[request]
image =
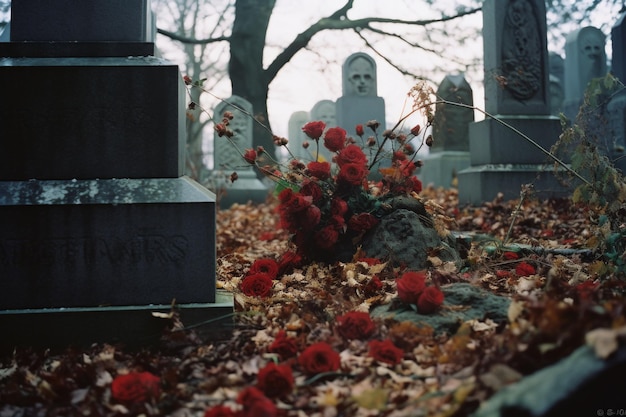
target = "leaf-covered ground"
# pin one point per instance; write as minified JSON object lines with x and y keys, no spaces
{"x":563,"y":292}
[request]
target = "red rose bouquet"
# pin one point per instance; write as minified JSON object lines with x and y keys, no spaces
{"x":329,"y":206}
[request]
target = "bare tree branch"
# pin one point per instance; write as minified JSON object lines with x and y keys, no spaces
{"x":339,"y":21}
{"x":185,"y":39}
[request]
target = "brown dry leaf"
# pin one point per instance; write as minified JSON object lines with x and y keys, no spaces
{"x":500,"y":375}
{"x":373,"y":399}
{"x":605,"y":341}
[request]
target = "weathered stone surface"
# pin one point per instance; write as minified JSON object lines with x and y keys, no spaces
{"x":405,"y":237}
{"x":106,"y":242}
{"x":479,"y":305}
{"x":580,"y":385}
{"x":69,"y":20}
{"x":95,"y":118}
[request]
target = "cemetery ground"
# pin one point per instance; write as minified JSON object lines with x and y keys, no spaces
{"x":556,"y":295}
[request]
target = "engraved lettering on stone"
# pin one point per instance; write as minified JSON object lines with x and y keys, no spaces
{"x":142,"y":249}
{"x":521,"y":50}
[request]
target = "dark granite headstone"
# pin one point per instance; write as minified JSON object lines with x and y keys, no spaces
{"x":617,"y":106}
{"x":111,"y":118}
{"x":516,"y":93}
{"x":98,"y":227}
{"x":84,"y":21}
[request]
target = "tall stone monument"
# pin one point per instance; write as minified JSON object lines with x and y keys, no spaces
{"x":227,"y":160}
{"x":585,"y":59}
{"x":449,"y":153}
{"x":617,"y":106}
{"x":359,"y":102}
{"x":98,"y":225}
{"x":516,"y":92}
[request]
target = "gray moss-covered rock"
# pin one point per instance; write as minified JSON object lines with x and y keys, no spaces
{"x":580,"y":385}
{"x":469,"y":303}
{"x":406,"y":237}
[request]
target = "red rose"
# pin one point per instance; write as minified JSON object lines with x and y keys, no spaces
{"x":326,"y":237}
{"x":524,"y":269}
{"x":407,"y":168}
{"x":429,"y":300}
{"x":312,"y":216}
{"x":335,"y":139}
{"x":319,"y":170}
{"x":288,"y":261}
{"x":338,"y":207}
{"x":314,"y":130}
{"x":352,"y":154}
{"x":220,"y":411}
{"x":312,"y":189}
{"x":319,"y":357}
{"x":135,"y":387}
{"x":585,"y":290}
{"x":362,"y":222}
{"x":355,"y":325}
{"x":264,"y":266}
{"x":385,"y":351}
{"x":284,"y":346}
{"x":398,"y":156}
{"x":255,"y":404}
{"x":275,"y":380}
{"x":293,"y":202}
{"x":352,"y":174}
{"x":257,"y":285}
{"x":250,"y":156}
{"x":416,"y":185}
{"x":410,"y":286}
{"x":338,"y":222}
{"x":510,"y":255}
{"x":359,"y":130}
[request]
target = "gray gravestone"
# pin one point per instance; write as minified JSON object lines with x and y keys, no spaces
{"x":98,"y":227}
{"x":517,"y":93}
{"x":557,"y":77}
{"x":449,"y":153}
{"x":297,"y":137}
{"x":227,"y":160}
{"x":360,"y":102}
{"x":585,"y":59}
{"x":325,"y":111}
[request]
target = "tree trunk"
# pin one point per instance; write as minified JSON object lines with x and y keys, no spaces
{"x":247,"y":74}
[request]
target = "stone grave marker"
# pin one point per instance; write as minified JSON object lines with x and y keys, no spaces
{"x":449,"y":153}
{"x":557,"y":78}
{"x":359,"y":102}
{"x":516,"y":92}
{"x":325,"y":111}
{"x":585,"y":59}
{"x":98,"y":226}
{"x":297,"y":137}
{"x":227,"y":160}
